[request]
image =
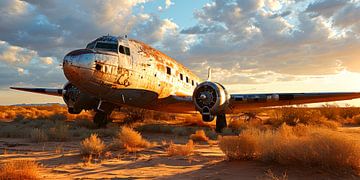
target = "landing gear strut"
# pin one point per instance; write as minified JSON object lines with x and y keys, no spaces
{"x":220,"y":123}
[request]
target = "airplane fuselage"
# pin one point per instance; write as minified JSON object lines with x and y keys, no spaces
{"x":127,"y":72}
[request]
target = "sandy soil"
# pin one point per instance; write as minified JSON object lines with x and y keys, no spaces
{"x":61,"y":160}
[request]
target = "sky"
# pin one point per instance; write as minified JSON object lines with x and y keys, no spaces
{"x":252,"y":46}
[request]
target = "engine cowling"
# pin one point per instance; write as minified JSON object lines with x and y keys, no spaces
{"x":210,"y":99}
{"x":77,"y":100}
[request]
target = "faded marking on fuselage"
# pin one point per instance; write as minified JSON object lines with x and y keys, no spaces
{"x":123,"y":77}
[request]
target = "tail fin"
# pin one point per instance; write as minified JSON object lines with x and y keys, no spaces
{"x":209,"y":74}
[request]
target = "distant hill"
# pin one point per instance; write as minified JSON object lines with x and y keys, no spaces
{"x":46,"y":104}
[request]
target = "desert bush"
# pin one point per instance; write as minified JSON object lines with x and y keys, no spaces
{"x":80,"y":132}
{"x":180,"y":150}
{"x":357,"y":119}
{"x":303,"y":145}
{"x":156,"y":128}
{"x":199,"y":136}
{"x":330,"y":111}
{"x":250,"y":115}
{"x":349,"y":112}
{"x":14,"y":131}
{"x":59,"y":133}
{"x":92,"y":146}
{"x":130,"y":139}
{"x":133,"y":114}
{"x":238,"y":124}
{"x":19,"y":170}
{"x":86,"y":123}
{"x":38,"y":135}
{"x":244,"y":146}
{"x":58,"y":117}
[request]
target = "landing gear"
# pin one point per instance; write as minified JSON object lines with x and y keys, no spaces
{"x":220,"y":123}
{"x":103,"y":112}
{"x":208,"y":118}
{"x":72,"y":110}
{"x":101,"y":119}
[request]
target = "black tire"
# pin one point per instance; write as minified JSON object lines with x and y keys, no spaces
{"x":101,"y":119}
{"x":73,"y":111}
{"x":220,"y":123}
{"x":207,"y":118}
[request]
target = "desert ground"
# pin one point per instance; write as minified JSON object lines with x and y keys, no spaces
{"x":162,"y":146}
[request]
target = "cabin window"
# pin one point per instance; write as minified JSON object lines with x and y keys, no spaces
{"x":181,"y":77}
{"x":168,"y":70}
{"x":187,"y":79}
{"x":127,"y":51}
{"x":121,"y":49}
{"x":106,"y":46}
{"x":124,"y":50}
{"x":192,"y":82}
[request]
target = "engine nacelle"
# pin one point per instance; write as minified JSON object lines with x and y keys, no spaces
{"x":210,"y":99}
{"x":77,"y":100}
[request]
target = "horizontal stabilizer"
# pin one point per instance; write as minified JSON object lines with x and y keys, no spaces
{"x":48,"y":91}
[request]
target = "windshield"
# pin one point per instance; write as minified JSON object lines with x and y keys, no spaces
{"x":107,"y":46}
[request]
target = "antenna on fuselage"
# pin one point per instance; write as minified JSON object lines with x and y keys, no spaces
{"x":209,"y":74}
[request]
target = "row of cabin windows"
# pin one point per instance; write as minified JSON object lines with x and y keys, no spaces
{"x":168,"y":71}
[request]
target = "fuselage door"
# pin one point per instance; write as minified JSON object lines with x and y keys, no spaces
{"x":125,"y":58}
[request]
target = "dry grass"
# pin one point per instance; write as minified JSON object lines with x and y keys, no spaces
{"x":19,"y":170}
{"x":52,"y":112}
{"x":180,"y":150}
{"x":60,"y":132}
{"x":199,"y":136}
{"x":92,"y":146}
{"x":303,"y":145}
{"x":244,"y":146}
{"x":38,"y":135}
{"x":269,"y":175}
{"x":131,"y":140}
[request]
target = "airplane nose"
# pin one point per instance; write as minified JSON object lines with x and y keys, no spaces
{"x":78,"y":64}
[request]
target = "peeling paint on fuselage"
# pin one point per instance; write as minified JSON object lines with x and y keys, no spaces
{"x":138,"y":79}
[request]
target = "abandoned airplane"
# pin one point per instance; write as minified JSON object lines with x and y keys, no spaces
{"x":116,"y":71}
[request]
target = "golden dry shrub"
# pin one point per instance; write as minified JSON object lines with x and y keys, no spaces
{"x":38,"y":135}
{"x":60,"y":132}
{"x":19,"y":170}
{"x":131,"y":140}
{"x":180,"y":150}
{"x":199,"y":136}
{"x":357,"y":119}
{"x":299,"y":145}
{"x":244,"y":146}
{"x":92,"y":146}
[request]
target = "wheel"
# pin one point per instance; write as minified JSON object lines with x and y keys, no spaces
{"x":73,"y":111}
{"x":101,"y":119}
{"x":220,"y":123}
{"x":207,"y":118}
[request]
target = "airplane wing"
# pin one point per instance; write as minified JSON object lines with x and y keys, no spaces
{"x":240,"y":102}
{"x":48,"y":91}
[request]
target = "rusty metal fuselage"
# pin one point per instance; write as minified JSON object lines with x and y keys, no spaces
{"x":128,"y":72}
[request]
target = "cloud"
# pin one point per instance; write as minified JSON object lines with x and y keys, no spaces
{"x":168,"y":3}
{"x":266,"y":38}
{"x":15,"y":54}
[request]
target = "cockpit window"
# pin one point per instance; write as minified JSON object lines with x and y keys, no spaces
{"x":106,"y":46}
